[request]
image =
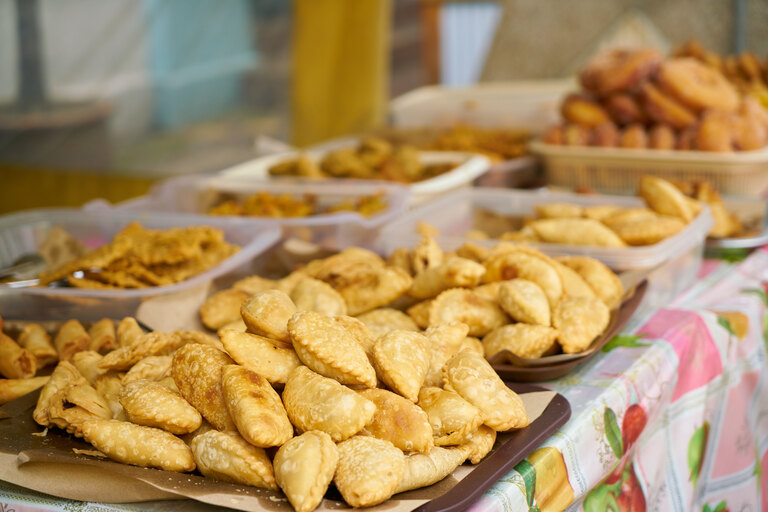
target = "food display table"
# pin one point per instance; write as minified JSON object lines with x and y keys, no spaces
{"x":672,"y":416}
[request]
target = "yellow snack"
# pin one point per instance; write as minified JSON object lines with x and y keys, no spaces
{"x":151,"y":404}
{"x":423,"y":469}
{"x":523,"y":340}
{"x":304,"y":467}
{"x":576,"y":232}
{"x":222,"y":308}
{"x":579,"y":321}
{"x":265,"y":356}
{"x":267,"y":314}
{"x":528,"y":266}
{"x":227,"y":456}
{"x":314,"y":295}
{"x":369,"y":470}
{"x":558,"y":210}
{"x":603,"y":281}
{"x":399,"y":421}
{"x":36,"y":340}
{"x":452,"y":418}
{"x":454,"y":272}
{"x":401,"y":359}
{"x":524,"y":301}
{"x":465,"y":306}
{"x":664,"y":198}
{"x":479,"y":444}
{"x":649,"y":231}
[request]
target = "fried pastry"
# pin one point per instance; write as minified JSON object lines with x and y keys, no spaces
{"x":87,"y":363}
{"x":71,"y":338}
{"x":472,"y":251}
{"x":528,"y":266}
{"x":199,"y":337}
{"x":606,"y":284}
{"x":479,"y":444}
{"x":451,"y":417}
{"x":265,"y":356}
{"x":400,"y":258}
{"x":454,"y":272}
{"x":255,"y":284}
{"x":304,"y":467}
{"x":582,"y":110}
{"x":472,"y":377}
{"x":427,"y":254}
{"x":664,"y":198}
{"x":579,"y":321}
{"x":267,"y":314}
{"x":156,"y":343}
{"x":444,"y":341}
{"x":64,"y":375}
{"x":314,"y":295}
{"x":110,"y":387}
{"x":575,"y":232}
{"x":419,"y":313}
{"x":128,"y":331}
{"x":399,"y":421}
{"x":196,"y":369}
{"x":401,"y":359}
{"x":150,"y":368}
{"x":573,"y":284}
{"x":76,"y":404}
{"x":473,"y":345}
{"x":524,"y":301}
{"x":650,"y":231}
{"x":327,"y":348}
{"x":255,"y":407}
{"x":34,"y":338}
{"x":222,"y":308}
{"x":362,"y":334}
{"x":423,"y":469}
{"x":151,"y":404}
{"x":227,"y":456}
{"x":15,"y":362}
{"x":137,"y":445}
{"x":558,"y":210}
{"x":523,"y":340}
{"x":369,"y":470}
{"x":462,"y":305}
{"x":600,"y":212}
{"x":103,"y":336}
{"x":11,"y":389}
{"x":382,"y":320}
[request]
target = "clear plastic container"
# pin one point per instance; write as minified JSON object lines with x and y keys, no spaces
{"x":197,"y":194}
{"x":469,"y":166}
{"x":672,"y":263}
{"x":21,"y":233}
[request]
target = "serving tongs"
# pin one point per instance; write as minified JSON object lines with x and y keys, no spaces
{"x":24,"y":272}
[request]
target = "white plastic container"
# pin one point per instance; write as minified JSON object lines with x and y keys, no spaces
{"x":21,"y":233}
{"x":469,"y":166}
{"x":673,"y":262}
{"x":197,"y":194}
{"x":618,"y":170}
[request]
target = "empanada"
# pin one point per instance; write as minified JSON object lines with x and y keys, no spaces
{"x":128,"y":331}
{"x":427,"y":254}
{"x":401,"y":258}
{"x":510,"y":265}
{"x":327,"y":348}
{"x":71,"y":338}
{"x":664,"y":198}
{"x":650,"y":231}
{"x":15,"y":362}
{"x":359,"y":330}
{"x":479,"y":444}
{"x":575,"y":232}
{"x":76,"y":404}
{"x":304,"y":467}
{"x":314,"y":295}
{"x":606,"y":285}
{"x":227,"y":456}
{"x":399,"y":421}
{"x":255,"y":284}
{"x":314,"y":402}
{"x":472,"y":377}
{"x":140,"y":446}
{"x":382,"y":320}
{"x":579,"y":321}
{"x":196,"y":369}
{"x":222,"y":308}
{"x":156,"y":343}
{"x":444,"y":341}
{"x":558,"y":210}
{"x":103,"y":336}
{"x":600,"y":212}
{"x":11,"y":389}
{"x":523,"y":340}
{"x":151,"y":404}
{"x":87,"y":363}
{"x":451,"y":417}
{"x":473,"y":345}
{"x":34,"y":338}
{"x":573,"y":284}
{"x":473,"y":251}
{"x":265,"y":356}
{"x":199,"y":337}
{"x":465,"y":306}
{"x":110,"y":387}
{"x":267,"y":314}
{"x":149,"y":368}
{"x":64,"y":375}
{"x":454,"y":272}
{"x":423,"y":469}
{"x":369,"y":470}
{"x":255,"y":407}
{"x":525,"y":301}
{"x":401,"y":359}
{"x":419,"y":313}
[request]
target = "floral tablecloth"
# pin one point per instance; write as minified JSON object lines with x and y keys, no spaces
{"x":673,"y":416}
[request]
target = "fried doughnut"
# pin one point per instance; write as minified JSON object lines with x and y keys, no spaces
{"x":696,"y":85}
{"x":554,"y":135}
{"x":576,"y":135}
{"x":661,"y":136}
{"x":621,"y":69}
{"x":686,"y":140}
{"x":715,"y":132}
{"x":748,"y":132}
{"x":580,"y":109}
{"x":751,"y":107}
{"x":633,"y":136}
{"x":664,"y":109}
{"x":605,"y":134}
{"x":624,"y":109}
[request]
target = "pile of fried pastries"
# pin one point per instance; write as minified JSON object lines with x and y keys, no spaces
{"x":138,"y":257}
{"x":498,"y":144}
{"x":670,"y":207}
{"x":373,"y":158}
{"x":636,"y":98}
{"x":265,"y":204}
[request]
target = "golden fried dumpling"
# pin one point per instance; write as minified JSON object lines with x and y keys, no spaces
{"x":221,"y":308}
{"x":103,"y":336}
{"x":603,"y":281}
{"x":451,"y":417}
{"x":454,"y":272}
{"x":579,"y":321}
{"x":34,"y":338}
{"x":382,"y":320}
{"x":465,"y":306}
{"x":472,"y":377}
{"x":419,"y":313}
{"x":444,"y":341}
{"x":151,"y":404}
{"x":423,"y":469}
{"x":399,"y":421}
{"x":649,"y":231}
{"x":533,"y":267}
{"x":149,"y":368}
{"x":473,"y":345}
{"x":155,"y":343}
{"x":11,"y":389}
{"x":265,"y":356}
{"x":558,"y":210}
{"x":267,"y":314}
{"x":664,"y":198}
{"x":70,"y":339}
{"x":479,"y":444}
{"x":314,"y":402}
{"x":227,"y":456}
{"x":304,"y":467}
{"x":76,"y":404}
{"x":314,"y":295}
{"x":369,"y":470}
{"x":575,"y":232}
{"x":523,"y":340}
{"x":401,"y":359}
{"x":64,"y":375}
{"x":525,"y":301}
{"x":86,"y":362}
{"x":573,"y":284}
{"x":426,"y":254}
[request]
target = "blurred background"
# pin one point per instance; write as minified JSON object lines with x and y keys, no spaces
{"x":101,"y":98}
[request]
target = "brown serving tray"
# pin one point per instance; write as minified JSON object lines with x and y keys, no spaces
{"x":546,"y":372}
{"x":17,"y":425}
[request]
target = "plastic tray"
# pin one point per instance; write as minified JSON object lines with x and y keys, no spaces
{"x":618,"y":170}
{"x":674,"y":261}
{"x":196,"y":194}
{"x":469,"y":166}
{"x":21,"y":233}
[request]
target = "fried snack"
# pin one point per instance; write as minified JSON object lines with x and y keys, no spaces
{"x":359,"y":331}
{"x":600,"y":212}
{"x":580,"y":109}
{"x":472,"y":251}
{"x":664,"y":109}
{"x":454,"y":272}
{"x":314,"y":402}
{"x":624,"y":109}
{"x":573,"y":284}
{"x":528,"y":266}
{"x":267,"y":314}
{"x":465,"y":306}
{"x":579,"y":321}
{"x":523,"y":340}
{"x":151,"y":404}
{"x":726,"y":224}
{"x":155,"y":343}
{"x":63,"y":376}
{"x":222,"y":308}
{"x":473,"y":345}
{"x":558,"y":210}
{"x":554,"y":135}
{"x":304,"y":467}
{"x":103,"y":337}
{"x":199,"y":337}
{"x":426,"y":254}
{"x":633,"y":136}
{"x":34,"y":338}
{"x":71,"y":338}
{"x":603,"y":281}
{"x":196,"y":369}
{"x":369,"y":470}
{"x":605,"y":135}
{"x":382,"y":320}
{"x":423,"y":469}
{"x":651,"y":231}
{"x":128,"y":331}
{"x":265,"y":356}
{"x":87,"y":363}
{"x":451,"y":417}
{"x":327,"y":348}
{"x":524,"y":301}
{"x":419,"y":313}
{"x":619,"y":70}
{"x":255,"y":284}
{"x":661,"y":136}
{"x":313,"y":295}
{"x":444,"y":341}
{"x":15,"y":362}
{"x":696,"y":85}
{"x":664,"y":198}
{"x":139,"y":446}
{"x":715,"y":133}
{"x":479,"y":444}
{"x":400,"y":258}
{"x":76,"y":404}
{"x":255,"y":407}
{"x":11,"y":389}
{"x":110,"y":386}
{"x":228,"y":457}
{"x":401,"y":359}
{"x":365,"y":288}
{"x":399,"y":421}
{"x":472,"y":377}
{"x":576,"y":135}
